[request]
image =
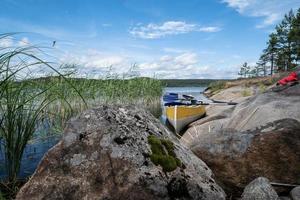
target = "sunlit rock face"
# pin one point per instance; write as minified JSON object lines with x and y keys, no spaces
{"x":105,"y":154}
{"x":258,"y":137}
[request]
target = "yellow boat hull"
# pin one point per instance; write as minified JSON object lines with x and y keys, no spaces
{"x":181,"y":115}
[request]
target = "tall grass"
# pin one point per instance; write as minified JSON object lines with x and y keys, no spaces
{"x":22,"y":103}
{"x":27,"y":102}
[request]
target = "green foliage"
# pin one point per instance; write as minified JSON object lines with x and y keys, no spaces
{"x":156,"y":145}
{"x":283,"y":48}
{"x":26,"y":102}
{"x":20,"y":107}
{"x":245,"y":70}
{"x":1,"y":196}
{"x":163,"y":153}
{"x":168,"y":163}
{"x":169,"y":146}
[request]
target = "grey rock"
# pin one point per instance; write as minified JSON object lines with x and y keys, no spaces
{"x":295,"y":193}
{"x":104,"y":154}
{"x":259,"y":189}
{"x":258,"y":137}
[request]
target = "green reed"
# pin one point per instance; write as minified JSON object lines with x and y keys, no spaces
{"x":26,"y":101}
{"x":22,"y":102}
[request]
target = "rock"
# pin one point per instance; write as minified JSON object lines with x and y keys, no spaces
{"x":236,"y":93}
{"x":237,"y":158}
{"x":295,"y":193}
{"x":262,"y":109}
{"x":254,"y":111}
{"x":259,"y":189}
{"x":258,"y":137}
{"x":106,"y":153}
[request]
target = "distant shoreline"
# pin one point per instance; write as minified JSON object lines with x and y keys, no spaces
{"x":189,"y":82}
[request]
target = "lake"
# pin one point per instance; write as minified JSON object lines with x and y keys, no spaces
{"x":35,"y":150}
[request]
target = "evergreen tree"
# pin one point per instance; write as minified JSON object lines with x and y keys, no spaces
{"x":283,"y":48}
{"x":283,"y":33}
{"x":295,"y":37}
{"x":270,"y":54}
{"x":244,"y":70}
{"x":262,"y":64}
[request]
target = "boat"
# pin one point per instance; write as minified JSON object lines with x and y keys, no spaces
{"x":180,"y":115}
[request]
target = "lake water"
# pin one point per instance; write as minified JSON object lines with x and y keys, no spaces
{"x":36,"y":149}
{"x":33,"y":153}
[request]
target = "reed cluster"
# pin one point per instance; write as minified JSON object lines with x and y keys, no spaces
{"x":29,"y":102}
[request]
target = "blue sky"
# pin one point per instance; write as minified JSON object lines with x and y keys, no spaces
{"x":165,"y":38}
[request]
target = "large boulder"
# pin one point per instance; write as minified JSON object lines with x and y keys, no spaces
{"x":259,"y":189}
{"x":109,"y":153}
{"x":258,"y":137}
{"x":272,"y":151}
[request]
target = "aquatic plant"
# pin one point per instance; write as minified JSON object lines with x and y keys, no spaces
{"x":22,"y":102}
{"x":28,"y":102}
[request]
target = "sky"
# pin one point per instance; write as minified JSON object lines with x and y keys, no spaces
{"x":163,"y":38}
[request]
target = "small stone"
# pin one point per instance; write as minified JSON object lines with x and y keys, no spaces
{"x":295,"y":193}
{"x":259,"y":189}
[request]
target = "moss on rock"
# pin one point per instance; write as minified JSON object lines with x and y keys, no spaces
{"x":163,"y":153}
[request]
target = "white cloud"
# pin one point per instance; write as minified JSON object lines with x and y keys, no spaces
{"x":271,"y":11}
{"x":166,"y":58}
{"x":154,"y":31}
{"x":210,"y":29}
{"x":176,"y":65}
{"x":97,"y":60}
{"x":24,"y":41}
{"x":240,"y":5}
{"x":9,"y":42}
{"x":6,"y":42}
{"x":179,"y":66}
{"x":186,"y":59}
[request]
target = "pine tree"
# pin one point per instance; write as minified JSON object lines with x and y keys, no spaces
{"x":262,"y":64}
{"x":244,"y":70}
{"x":295,"y":37}
{"x":271,"y":52}
{"x":283,"y":32}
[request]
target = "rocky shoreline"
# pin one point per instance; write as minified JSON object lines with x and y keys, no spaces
{"x":260,"y":136}
{"x":122,"y":152}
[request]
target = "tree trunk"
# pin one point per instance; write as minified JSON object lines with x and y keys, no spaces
{"x":272,"y":64}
